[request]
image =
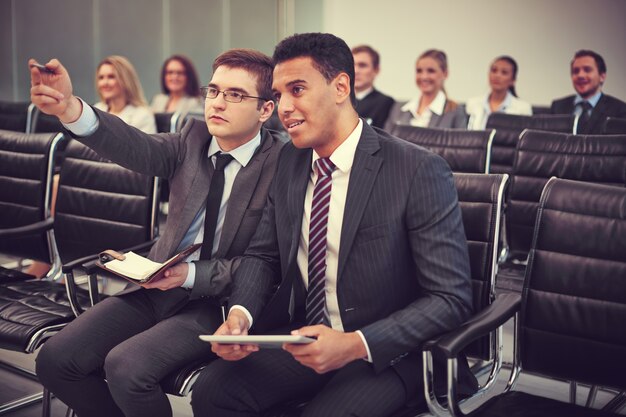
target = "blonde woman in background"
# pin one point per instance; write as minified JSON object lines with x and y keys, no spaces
{"x":501,"y":99}
{"x":180,"y":87}
{"x":431,"y":108}
{"x":121,"y":94}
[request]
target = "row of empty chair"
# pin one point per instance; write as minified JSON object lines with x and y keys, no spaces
{"x":100,"y":205}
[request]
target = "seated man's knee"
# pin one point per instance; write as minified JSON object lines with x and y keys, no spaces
{"x":218,"y":388}
{"x":123,"y":370}
{"x":54,"y":362}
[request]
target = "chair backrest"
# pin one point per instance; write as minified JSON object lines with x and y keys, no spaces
{"x":101,"y":205}
{"x":26,"y":170}
{"x":164,"y":123}
{"x":14,"y":115}
{"x":464,"y":150}
{"x":541,"y":110}
{"x":481,"y":198}
{"x":574,"y":297}
{"x":43,"y":123}
{"x":508,"y":128}
{"x":542,"y":155}
{"x":614,"y":126}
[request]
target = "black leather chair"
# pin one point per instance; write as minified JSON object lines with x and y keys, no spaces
{"x":465,"y":150}
{"x":569,"y":317}
{"x":614,"y":126}
{"x":481,"y":200}
{"x":508,"y":128}
{"x":100,"y":205}
{"x":540,"y":156}
{"x":41,"y":122}
{"x":541,"y":110}
{"x":26,"y":169}
{"x":166,"y":122}
{"x":14,"y":116}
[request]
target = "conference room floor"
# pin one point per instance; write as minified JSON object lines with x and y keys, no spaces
{"x":13,"y":386}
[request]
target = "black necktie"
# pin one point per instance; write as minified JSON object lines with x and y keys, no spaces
{"x":583,"y":119}
{"x":216,"y":189}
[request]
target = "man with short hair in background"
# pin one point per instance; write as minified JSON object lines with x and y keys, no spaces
{"x":590,"y":104}
{"x":372,"y":105}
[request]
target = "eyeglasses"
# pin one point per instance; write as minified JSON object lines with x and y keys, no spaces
{"x":229,"y":95}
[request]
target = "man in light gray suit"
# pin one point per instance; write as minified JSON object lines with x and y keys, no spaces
{"x":363,"y":236}
{"x":139,"y":337}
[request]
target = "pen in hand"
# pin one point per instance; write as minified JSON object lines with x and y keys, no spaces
{"x":42,"y":68}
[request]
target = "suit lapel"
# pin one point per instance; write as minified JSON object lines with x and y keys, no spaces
{"x":195,"y":198}
{"x":245,"y":184}
{"x":597,"y":114}
{"x":301,"y":172}
{"x":362,"y":178}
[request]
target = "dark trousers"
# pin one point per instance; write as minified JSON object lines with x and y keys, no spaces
{"x":135,"y":340}
{"x":271,"y":376}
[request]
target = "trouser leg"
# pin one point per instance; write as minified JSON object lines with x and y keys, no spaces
{"x":135,"y":367}
{"x":70,"y":363}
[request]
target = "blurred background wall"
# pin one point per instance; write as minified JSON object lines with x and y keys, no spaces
{"x":542,"y":35}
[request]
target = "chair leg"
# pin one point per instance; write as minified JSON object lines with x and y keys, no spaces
{"x":45,"y":406}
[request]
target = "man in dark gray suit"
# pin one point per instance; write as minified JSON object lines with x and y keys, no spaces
{"x":588,"y":72}
{"x":139,"y":337}
{"x":362,"y":234}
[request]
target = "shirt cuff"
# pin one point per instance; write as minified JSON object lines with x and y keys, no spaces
{"x":191,"y":276}
{"x":245,"y":311}
{"x":369,"y":354}
{"x":86,"y":124}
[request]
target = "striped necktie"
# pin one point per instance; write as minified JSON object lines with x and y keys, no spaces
{"x":316,"y":312}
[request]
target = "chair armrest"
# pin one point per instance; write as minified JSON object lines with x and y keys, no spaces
{"x":496,"y":314}
{"x":29,"y":229}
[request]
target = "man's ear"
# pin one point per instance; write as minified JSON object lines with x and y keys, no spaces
{"x":266,"y":111}
{"x":602,"y":78}
{"x":342,"y":86}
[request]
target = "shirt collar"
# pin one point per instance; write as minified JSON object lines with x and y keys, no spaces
{"x":506,"y":103}
{"x":242,"y":154}
{"x":593,"y":100}
{"x":343,"y":156}
{"x":436,"y":107}
{"x":364,"y":93}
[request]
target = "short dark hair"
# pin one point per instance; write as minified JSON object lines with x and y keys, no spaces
{"x":330,"y":55}
{"x":596,"y":56}
{"x":254,"y":62}
{"x":368,"y":50}
{"x":192,"y":86}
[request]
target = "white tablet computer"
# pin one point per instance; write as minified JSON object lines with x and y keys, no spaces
{"x":269,"y":341}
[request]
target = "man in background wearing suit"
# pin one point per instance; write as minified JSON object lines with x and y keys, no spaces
{"x":371,"y":104}
{"x":139,"y":337}
{"x":362,"y":234}
{"x":588,"y":72}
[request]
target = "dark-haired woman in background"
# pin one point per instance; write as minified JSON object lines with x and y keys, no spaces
{"x":501,"y":99}
{"x":179,"y":86}
{"x":431,"y":108}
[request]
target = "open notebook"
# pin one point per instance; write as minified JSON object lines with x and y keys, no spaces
{"x":137,"y":268}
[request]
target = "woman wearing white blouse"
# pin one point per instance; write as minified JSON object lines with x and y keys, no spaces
{"x":431,"y":108}
{"x":121,"y":94}
{"x":501,"y":99}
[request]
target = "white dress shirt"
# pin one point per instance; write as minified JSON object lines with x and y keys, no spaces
{"x":140,"y":117}
{"x":435,"y":107}
{"x":478,"y":109}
